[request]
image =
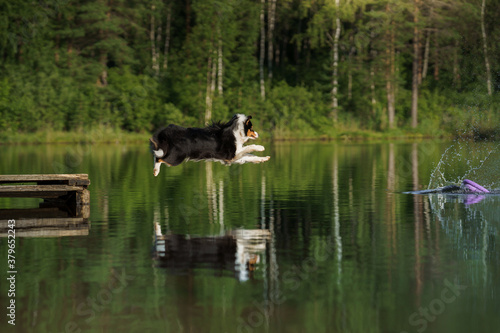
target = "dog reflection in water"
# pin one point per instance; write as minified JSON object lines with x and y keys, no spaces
{"x":236,"y":253}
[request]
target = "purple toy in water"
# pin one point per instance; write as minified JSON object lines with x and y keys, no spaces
{"x":473,"y":187}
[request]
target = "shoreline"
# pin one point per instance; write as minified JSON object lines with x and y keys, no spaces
{"x":110,"y":136}
{"x":105,"y":135}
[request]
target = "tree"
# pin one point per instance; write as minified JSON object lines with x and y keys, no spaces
{"x":262,"y":49}
{"x":271,"y":17}
{"x":415,"y":71}
{"x":104,"y":38}
{"x":485,"y":48}
{"x":335,"y":74}
{"x":390,"y":70}
{"x":134,"y":65}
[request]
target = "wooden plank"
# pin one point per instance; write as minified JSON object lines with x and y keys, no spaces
{"x":40,"y":188}
{"x":47,"y":227}
{"x":69,"y":179}
{"x":48,"y":176}
{"x":58,"y":222}
{"x":37,"y":191}
{"x":83,"y":197}
{"x":50,"y":233}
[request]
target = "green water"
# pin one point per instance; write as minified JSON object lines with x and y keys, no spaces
{"x":318,"y":239}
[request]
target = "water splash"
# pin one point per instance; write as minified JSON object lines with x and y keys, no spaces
{"x":478,"y":161}
{"x":474,"y":154}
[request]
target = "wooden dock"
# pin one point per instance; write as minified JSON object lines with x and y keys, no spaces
{"x":47,"y":227}
{"x":63,"y":187}
{"x":64,"y":212}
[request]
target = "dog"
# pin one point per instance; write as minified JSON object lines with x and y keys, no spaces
{"x":218,"y":142}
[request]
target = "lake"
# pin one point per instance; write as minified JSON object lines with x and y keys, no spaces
{"x":318,"y":239}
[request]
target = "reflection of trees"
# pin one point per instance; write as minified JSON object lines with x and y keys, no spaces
{"x":418,"y":216}
{"x":215,"y":199}
{"x":471,"y":228}
{"x":472,"y":231}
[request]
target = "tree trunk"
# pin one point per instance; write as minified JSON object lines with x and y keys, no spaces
{"x":157,"y":44}
{"x":349,"y":84}
{"x":58,"y":38}
{"x":335,"y":82}
{"x":270,"y":31}
{"x":485,"y":47}
{"x":70,"y":53}
{"x":103,"y":78}
{"x":391,"y":110}
{"x":426,"y":55}
{"x":456,"y":73}
{"x":167,"y":37}
{"x":390,"y":75}
{"x":154,"y":58}
{"x":262,"y":49}
{"x":436,"y":57}
{"x":414,"y":86}
{"x":208,"y":97}
{"x":102,"y":81}
{"x":350,"y":62}
{"x":220,"y":71}
{"x":277,"y":54}
{"x":372,"y":88}
{"x":214,"y":74}
{"x":427,"y":43}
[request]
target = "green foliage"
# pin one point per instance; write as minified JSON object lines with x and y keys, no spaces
{"x":169,"y":114}
{"x":80,"y":65}
{"x":295,"y":111}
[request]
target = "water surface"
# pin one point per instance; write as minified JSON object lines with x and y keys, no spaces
{"x":318,"y":239}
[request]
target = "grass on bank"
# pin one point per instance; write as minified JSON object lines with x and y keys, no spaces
{"x":119,"y":136}
{"x":476,"y":125}
{"x":101,"y":134}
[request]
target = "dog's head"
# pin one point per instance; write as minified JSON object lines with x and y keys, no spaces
{"x":248,"y":128}
{"x":244,"y":128}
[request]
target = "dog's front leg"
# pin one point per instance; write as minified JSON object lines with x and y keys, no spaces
{"x":252,"y":148}
{"x":248,"y":149}
{"x":249,"y":158}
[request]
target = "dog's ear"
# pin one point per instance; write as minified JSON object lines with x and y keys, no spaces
{"x":153,"y":142}
{"x":248,"y":119}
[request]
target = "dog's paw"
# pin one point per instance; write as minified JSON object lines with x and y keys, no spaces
{"x":259,"y":148}
{"x":264,"y":159}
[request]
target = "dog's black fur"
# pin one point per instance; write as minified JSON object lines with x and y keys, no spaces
{"x":213,"y":142}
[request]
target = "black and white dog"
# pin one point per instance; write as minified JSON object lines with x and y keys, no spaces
{"x":217,"y":142}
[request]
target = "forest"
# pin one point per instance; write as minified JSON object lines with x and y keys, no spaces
{"x":302,"y":68}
